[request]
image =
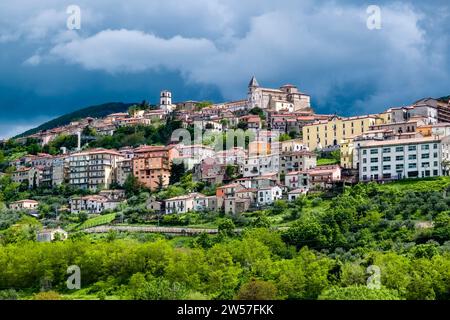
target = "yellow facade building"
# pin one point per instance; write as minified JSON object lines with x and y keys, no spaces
{"x":327,"y":133}
{"x":347,"y":153}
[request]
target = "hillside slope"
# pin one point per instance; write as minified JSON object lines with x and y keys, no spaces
{"x":97,"y":111}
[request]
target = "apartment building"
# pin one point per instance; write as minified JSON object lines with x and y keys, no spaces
{"x":326,"y":133}
{"x":408,"y":126}
{"x":426,"y":108}
{"x":297,"y":180}
{"x":56,"y":173}
{"x":209,"y":171}
{"x":324,"y":177}
{"x":256,"y":148}
{"x":260,"y":165}
{"x":403,"y":158}
{"x":298,"y":160}
{"x":124,"y":170}
{"x":151,"y":165}
{"x":191,"y":155}
{"x":93,"y":169}
{"x":32,"y":176}
{"x":234,"y":156}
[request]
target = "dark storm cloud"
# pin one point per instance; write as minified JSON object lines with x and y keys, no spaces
{"x":207,"y":49}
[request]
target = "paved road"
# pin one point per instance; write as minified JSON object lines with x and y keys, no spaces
{"x":170,"y":230}
{"x":167,"y":230}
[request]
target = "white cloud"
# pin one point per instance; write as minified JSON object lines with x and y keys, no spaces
{"x":34,"y":60}
{"x":322,"y":46}
{"x":134,"y":51}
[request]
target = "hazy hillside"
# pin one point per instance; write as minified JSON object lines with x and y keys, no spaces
{"x":97,"y":111}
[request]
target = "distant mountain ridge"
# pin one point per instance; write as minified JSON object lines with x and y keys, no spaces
{"x":97,"y":111}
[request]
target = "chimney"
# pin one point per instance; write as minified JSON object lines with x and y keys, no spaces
{"x":79,"y":141}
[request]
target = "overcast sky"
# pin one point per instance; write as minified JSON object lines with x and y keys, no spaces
{"x":208,"y":50}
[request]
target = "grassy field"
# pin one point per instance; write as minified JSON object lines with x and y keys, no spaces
{"x":326,"y":162}
{"x":419,"y":185}
{"x":93,"y":222}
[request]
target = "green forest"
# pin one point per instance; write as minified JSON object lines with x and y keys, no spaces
{"x":318,"y":247}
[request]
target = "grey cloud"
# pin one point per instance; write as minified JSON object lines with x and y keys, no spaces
{"x":322,"y":46}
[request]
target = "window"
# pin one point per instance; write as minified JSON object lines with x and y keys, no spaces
{"x":364,"y":152}
{"x":425,"y":164}
{"x":412,"y":157}
{"x":412,"y":148}
{"x":412,"y":166}
{"x":435,"y":155}
{"x":425,"y":156}
{"x":435,"y":146}
{"x":374,"y":168}
{"x":387,"y":167}
{"x":386,"y":150}
{"x":399,"y":167}
{"x":435,"y":163}
{"x":399,"y":149}
{"x":373,"y":160}
{"x":373,"y":151}
{"x":386,"y":159}
{"x":425,"y":147}
{"x":399,"y":158}
{"x":364,"y":169}
{"x":364,"y":160}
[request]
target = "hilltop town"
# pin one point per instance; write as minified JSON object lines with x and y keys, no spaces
{"x":288,"y":151}
{"x":279,"y":201}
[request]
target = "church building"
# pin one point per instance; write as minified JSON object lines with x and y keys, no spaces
{"x":286,"y":99}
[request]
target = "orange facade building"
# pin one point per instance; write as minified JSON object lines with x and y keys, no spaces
{"x":151,"y":165}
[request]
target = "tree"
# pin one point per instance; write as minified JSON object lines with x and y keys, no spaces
{"x":231,"y":171}
{"x":152,"y":288}
{"x":242,"y":125}
{"x":226,"y":227}
{"x":359,"y":293}
{"x":203,"y":104}
{"x":88,"y":131}
{"x":258,"y":111}
{"x":9,"y":294}
{"x":284,"y":137}
{"x":82,"y":216}
{"x":257,"y":290}
{"x":261,"y":222}
{"x":177,"y":171}
{"x":160,"y":183}
{"x":132,"y":186}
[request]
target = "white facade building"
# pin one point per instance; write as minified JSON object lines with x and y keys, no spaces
{"x":260,"y":165}
{"x":403,"y":158}
{"x":268,"y":195}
